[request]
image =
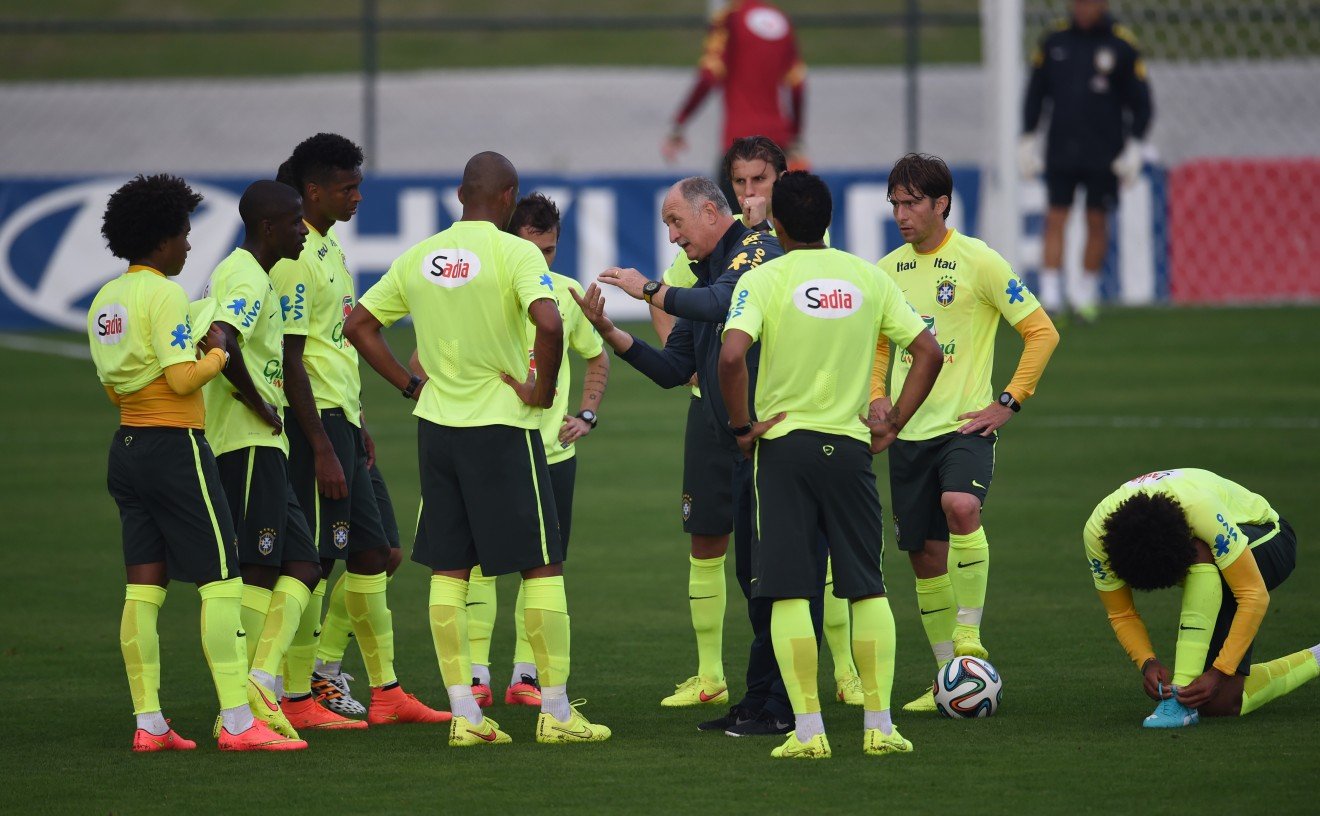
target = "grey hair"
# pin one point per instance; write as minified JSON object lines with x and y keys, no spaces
{"x":697,"y":190}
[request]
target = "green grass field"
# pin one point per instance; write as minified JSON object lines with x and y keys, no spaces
{"x":1234,"y":391}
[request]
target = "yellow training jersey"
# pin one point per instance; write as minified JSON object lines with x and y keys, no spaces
{"x":581,"y":337}
{"x":316,"y":294}
{"x":960,"y":289}
{"x":1215,"y":507}
{"x":468,"y":290}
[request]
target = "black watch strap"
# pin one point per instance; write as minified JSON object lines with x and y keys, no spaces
{"x":1007,"y":400}
{"x":413,"y":382}
{"x":588,"y":416}
{"x":743,"y":431}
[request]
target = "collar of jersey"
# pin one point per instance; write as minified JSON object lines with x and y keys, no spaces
{"x":145,"y":268}
{"x":314,"y":230}
{"x":948,"y":236}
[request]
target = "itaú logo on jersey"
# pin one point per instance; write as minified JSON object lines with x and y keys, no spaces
{"x":111,"y":323}
{"x":451,"y":268}
{"x":827,"y":298}
{"x":53,"y":258}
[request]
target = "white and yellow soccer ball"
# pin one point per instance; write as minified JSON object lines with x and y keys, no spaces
{"x":968,"y":687}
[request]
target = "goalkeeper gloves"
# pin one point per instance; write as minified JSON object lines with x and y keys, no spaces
{"x":1128,"y":164}
{"x":1030,"y":163}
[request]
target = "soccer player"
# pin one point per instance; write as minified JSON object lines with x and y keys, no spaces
{"x":536,"y":218}
{"x":327,"y":444}
{"x":1093,"y":75}
{"x":486,"y":489}
{"x":817,"y":312}
{"x":941,"y":466}
{"x":162,"y":473}
{"x":1229,"y":549}
{"x":278,"y":560}
{"x":751,"y":166}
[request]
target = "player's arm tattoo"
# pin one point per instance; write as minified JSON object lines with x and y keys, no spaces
{"x":594,"y":381}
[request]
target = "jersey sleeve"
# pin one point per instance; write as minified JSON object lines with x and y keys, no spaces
{"x":898,"y":320}
{"x":531,"y":277}
{"x":238,"y":301}
{"x":679,"y":273}
{"x":171,"y":328}
{"x":294,"y":287}
{"x":385,"y":299}
{"x":1212,"y":523}
{"x":747,"y":308}
{"x":1098,"y":560}
{"x":1002,"y":288}
{"x":582,"y":337}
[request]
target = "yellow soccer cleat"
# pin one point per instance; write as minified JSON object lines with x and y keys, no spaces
{"x":818,"y":747}
{"x":487,"y":732}
{"x":264,"y":707}
{"x":967,"y":642}
{"x":697,"y":690}
{"x":876,"y":743}
{"x":849,"y":690}
{"x":577,"y":729}
{"x":925,"y":703}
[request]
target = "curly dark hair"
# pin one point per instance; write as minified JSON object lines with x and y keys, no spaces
{"x":536,"y":212}
{"x":315,"y":158}
{"x":925,"y":176}
{"x":145,"y":213}
{"x":747,"y":148}
{"x":1149,"y":541}
{"x":803,"y":206}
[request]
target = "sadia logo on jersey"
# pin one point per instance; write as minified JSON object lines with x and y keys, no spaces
{"x":451,"y":268}
{"x":829,"y":299}
{"x":111,"y":323}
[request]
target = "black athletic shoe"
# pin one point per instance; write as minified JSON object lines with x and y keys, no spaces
{"x":737,"y":715}
{"x":763,"y":725}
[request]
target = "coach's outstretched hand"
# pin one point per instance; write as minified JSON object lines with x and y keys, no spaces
{"x":629,"y":280}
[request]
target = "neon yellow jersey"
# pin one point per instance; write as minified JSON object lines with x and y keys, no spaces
{"x":245,"y":299}
{"x":960,"y":289}
{"x":468,"y":289}
{"x":316,"y":294}
{"x":138,"y":325}
{"x":581,"y":337}
{"x":818,"y":314}
{"x":1215,"y":508}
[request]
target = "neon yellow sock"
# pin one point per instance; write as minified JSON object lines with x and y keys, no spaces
{"x":481,"y":612}
{"x":301,"y":655}
{"x":796,"y":651}
{"x":448,"y":612}
{"x":256,"y":605}
{"x":288,"y":602}
{"x":369,"y":611}
{"x":1202,"y":594}
{"x":140,"y":644}
{"x":222,"y":620}
{"x":939,"y":614}
{"x":838,"y":628}
{"x":1270,"y":681}
{"x":874,"y":645}
{"x":969,"y":564}
{"x":547,"y":628}
{"x":522,"y":650}
{"x":707,"y":599}
{"x":337,"y":628}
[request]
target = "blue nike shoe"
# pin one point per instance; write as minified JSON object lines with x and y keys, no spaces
{"x":1171,"y":714}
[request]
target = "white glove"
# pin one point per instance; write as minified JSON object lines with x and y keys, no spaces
{"x":1030,"y":163}
{"x":1128,"y":164}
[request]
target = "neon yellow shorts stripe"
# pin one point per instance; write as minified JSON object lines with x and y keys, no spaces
{"x":536,"y":488}
{"x":247,"y":485}
{"x":756,"y":486}
{"x":210,"y":510}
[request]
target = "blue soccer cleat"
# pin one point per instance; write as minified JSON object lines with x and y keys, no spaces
{"x":1171,"y":714}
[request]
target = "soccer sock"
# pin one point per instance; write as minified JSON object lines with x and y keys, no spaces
{"x":524,"y":662}
{"x":1202,"y":594}
{"x":939,"y":613}
{"x":707,"y":598}
{"x":1086,"y":291}
{"x":1051,"y":290}
{"x":480,"y":671}
{"x":874,"y":646}
{"x":368,"y":609}
{"x":521,"y":668}
{"x":796,"y":651}
{"x":140,"y":643}
{"x":337,"y":628}
{"x":153,"y":723}
{"x":288,"y":602}
{"x":1269,"y":681}
{"x":448,"y":613}
{"x":969,"y":564}
{"x":301,"y":655}
{"x":481,"y":612}
{"x":222,"y":620}
{"x":838,"y":628}
{"x":548,"y":635}
{"x":256,"y":605}
{"x":878,"y":719}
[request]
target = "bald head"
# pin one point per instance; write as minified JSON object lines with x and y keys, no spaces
{"x":489,"y":190}
{"x":267,"y":201}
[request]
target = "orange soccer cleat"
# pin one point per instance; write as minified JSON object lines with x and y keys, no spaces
{"x":525,"y":692}
{"x":146,"y":742}
{"x":390,"y":706}
{"x":307,"y":713}
{"x":258,"y":737}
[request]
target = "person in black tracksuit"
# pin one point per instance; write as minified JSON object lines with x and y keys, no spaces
{"x":693,"y":346}
{"x":1092,"y":74}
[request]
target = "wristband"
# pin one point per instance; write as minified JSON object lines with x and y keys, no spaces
{"x":413,"y":382}
{"x":743,"y":431}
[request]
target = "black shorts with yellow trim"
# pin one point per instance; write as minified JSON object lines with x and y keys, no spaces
{"x":922,"y":471}
{"x":708,"y":458}
{"x":1275,"y":548}
{"x":171,"y":503}
{"x":339,"y":527}
{"x":806,"y":483}
{"x":269,"y":522}
{"x":563,"y":479}
{"x":386,"y":505}
{"x":486,"y":500}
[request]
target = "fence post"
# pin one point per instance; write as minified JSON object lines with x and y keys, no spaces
{"x":370,"y":70}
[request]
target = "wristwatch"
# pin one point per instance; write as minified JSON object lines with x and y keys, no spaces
{"x":649,"y":289}
{"x":743,"y":431}
{"x":588,"y":416}
{"x":413,"y":382}
{"x":1006,"y":400}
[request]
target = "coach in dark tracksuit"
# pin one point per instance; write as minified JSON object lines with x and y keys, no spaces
{"x":1091,"y":72}
{"x":698,"y":216}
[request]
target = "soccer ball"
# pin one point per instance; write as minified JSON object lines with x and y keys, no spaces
{"x":967,"y":687}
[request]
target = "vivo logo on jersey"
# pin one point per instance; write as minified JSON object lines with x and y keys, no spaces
{"x":451,"y":268}
{"x":828,"y":299}
{"x":111,"y":323}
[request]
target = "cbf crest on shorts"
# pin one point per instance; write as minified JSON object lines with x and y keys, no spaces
{"x":339,"y":534}
{"x":687,"y":506}
{"x":266,"y":541}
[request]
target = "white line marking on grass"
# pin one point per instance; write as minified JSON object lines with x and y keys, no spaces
{"x":1189,"y":422}
{"x":19,"y":342}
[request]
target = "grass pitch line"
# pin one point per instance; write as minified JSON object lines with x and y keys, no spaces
{"x":1184,"y":422}
{"x":42,"y":345}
